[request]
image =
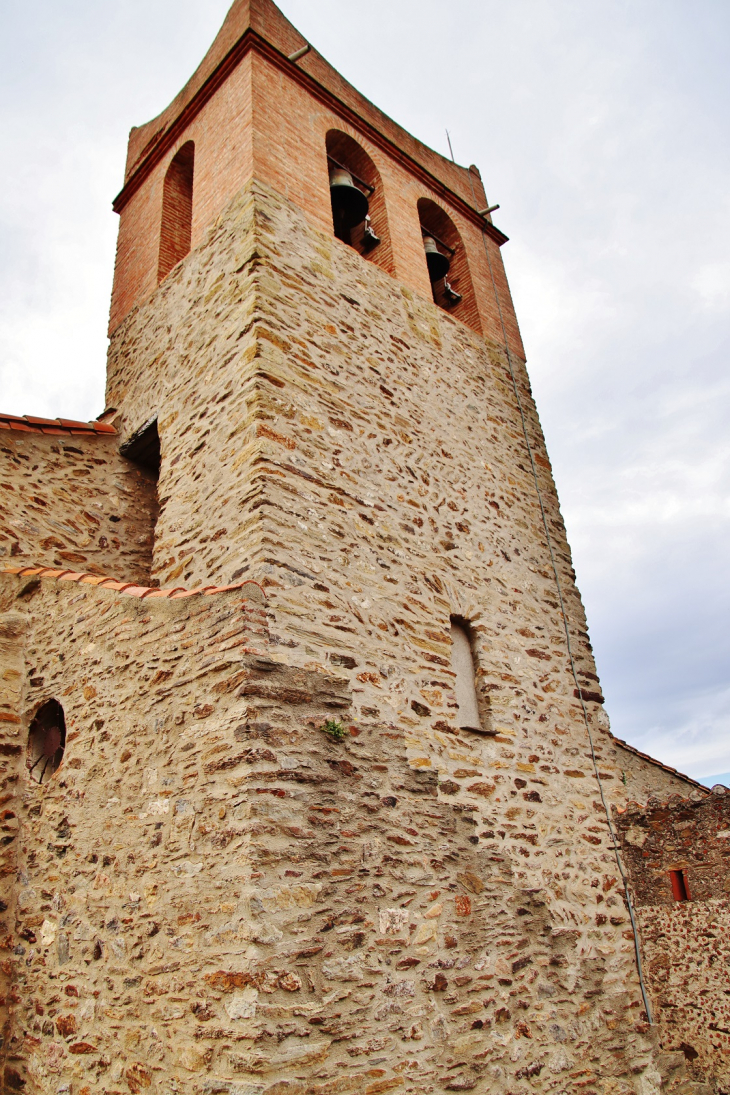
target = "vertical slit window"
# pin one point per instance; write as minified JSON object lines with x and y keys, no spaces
{"x":679,"y":886}
{"x":462,"y":662}
{"x":177,"y":211}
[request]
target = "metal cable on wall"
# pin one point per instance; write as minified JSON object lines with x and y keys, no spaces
{"x":622,"y":872}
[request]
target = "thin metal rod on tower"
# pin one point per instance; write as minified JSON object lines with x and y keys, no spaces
{"x":448,"y":138}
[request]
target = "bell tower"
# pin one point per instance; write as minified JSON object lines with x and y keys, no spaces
{"x":331,"y":811}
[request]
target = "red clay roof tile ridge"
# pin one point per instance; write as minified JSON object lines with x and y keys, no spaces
{"x":130,"y":589}
{"x":31,"y":423}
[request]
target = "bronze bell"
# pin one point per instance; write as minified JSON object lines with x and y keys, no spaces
{"x":369,"y":239}
{"x":450,"y":294}
{"x":438,"y":264}
{"x":349,"y":204}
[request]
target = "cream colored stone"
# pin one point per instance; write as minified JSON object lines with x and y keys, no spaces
{"x":393,"y":921}
{"x":242,"y":1005}
{"x":636,"y":836}
{"x":424,"y":933}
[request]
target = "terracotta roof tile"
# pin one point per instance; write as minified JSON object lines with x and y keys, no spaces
{"x":130,"y":589}
{"x":30,"y":423}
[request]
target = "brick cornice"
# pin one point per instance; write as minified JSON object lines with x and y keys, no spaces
{"x":249,"y":41}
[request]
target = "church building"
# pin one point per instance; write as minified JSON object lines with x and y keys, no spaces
{"x":306,"y":784}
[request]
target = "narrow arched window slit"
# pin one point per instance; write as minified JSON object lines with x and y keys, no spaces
{"x":46,"y":741}
{"x":462,"y":662}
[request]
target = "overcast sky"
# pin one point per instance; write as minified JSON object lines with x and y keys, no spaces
{"x":600,"y":126}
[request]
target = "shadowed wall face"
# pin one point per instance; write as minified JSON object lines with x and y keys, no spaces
{"x":75,"y":503}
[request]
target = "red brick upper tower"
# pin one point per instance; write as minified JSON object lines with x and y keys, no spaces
{"x":250,"y":111}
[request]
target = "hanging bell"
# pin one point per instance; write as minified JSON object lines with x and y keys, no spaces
{"x":369,"y":239}
{"x":438,"y":264}
{"x":349,"y":204}
{"x":450,"y":294}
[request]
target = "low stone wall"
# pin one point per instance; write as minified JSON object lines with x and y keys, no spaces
{"x":73,"y":502}
{"x":686,"y":943}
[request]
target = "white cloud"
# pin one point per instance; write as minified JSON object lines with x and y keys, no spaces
{"x":712,"y":283}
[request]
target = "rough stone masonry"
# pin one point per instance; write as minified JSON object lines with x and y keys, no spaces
{"x":268,"y":859}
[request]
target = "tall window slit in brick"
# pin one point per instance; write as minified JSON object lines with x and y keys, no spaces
{"x":448,"y":268}
{"x":358,"y":204}
{"x":462,"y":663}
{"x":679,"y":885}
{"x":46,"y":741}
{"x":177,"y":211}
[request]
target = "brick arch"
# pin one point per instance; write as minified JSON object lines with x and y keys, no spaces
{"x":436,"y":222}
{"x":177,"y":210}
{"x":346,"y":151}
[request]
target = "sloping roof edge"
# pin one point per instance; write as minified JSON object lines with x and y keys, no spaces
{"x":29,"y":423}
{"x":666,"y":767}
{"x":131,"y":589}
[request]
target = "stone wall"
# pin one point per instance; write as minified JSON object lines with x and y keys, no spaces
{"x":272,"y":862}
{"x":215,"y":894}
{"x":644,"y":778}
{"x":686,"y":943}
{"x":73,"y":502}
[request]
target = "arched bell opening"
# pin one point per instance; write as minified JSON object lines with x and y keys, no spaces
{"x":46,"y":741}
{"x":447,"y":264}
{"x":177,"y":211}
{"x":358,"y":203}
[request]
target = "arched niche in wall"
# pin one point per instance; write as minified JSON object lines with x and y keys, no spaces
{"x":473,"y":706}
{"x":177,"y":210}
{"x":345,"y":154}
{"x":448,"y":265}
{"x":46,"y":741}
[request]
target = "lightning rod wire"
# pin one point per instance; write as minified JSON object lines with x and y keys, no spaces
{"x":579,"y":692}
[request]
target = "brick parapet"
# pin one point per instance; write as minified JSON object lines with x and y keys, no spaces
{"x":262,"y":26}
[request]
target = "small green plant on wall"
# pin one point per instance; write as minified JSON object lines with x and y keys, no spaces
{"x":334,"y":729}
